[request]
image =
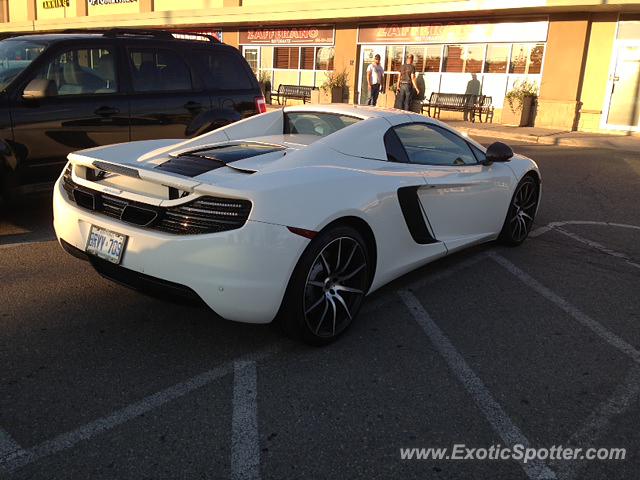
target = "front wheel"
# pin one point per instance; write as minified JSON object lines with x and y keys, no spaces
{"x":327,"y":287}
{"x":522,"y":212}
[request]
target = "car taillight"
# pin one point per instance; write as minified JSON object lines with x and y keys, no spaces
{"x":261,"y":105}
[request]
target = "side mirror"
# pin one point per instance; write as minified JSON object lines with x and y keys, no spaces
{"x":498,"y":152}
{"x":39,"y":88}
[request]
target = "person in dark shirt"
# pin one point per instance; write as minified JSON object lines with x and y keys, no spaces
{"x":472,"y":92}
{"x":406,"y":86}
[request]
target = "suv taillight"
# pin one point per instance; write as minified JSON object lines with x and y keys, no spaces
{"x":261,"y":105}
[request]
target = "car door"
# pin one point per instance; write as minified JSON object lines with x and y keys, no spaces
{"x":85,"y":107}
{"x":465,"y":202}
{"x":167,"y":97}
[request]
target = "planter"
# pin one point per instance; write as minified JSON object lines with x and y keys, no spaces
{"x":266,"y":90}
{"x":522,"y":117}
{"x":337,"y":94}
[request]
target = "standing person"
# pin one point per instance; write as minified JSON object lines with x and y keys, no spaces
{"x":472,"y":92}
{"x":375,"y":72}
{"x":406,"y":84}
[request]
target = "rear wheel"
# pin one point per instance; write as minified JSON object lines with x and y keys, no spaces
{"x":522,"y":212}
{"x":327,"y":287}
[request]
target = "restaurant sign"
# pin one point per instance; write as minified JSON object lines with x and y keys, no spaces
{"x":287,"y":36}
{"x":454,"y":32}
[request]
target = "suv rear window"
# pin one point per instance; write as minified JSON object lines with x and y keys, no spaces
{"x":159,"y":70}
{"x":223,"y":70}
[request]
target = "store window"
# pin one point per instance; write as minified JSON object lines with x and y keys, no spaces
{"x":463,"y":58}
{"x":432,"y":56}
{"x":497,"y":58}
{"x":526,"y":58}
{"x":324,"y":58}
{"x":286,"y":57}
{"x":307,"y":56}
{"x":418,"y":56}
{"x":394,"y":59}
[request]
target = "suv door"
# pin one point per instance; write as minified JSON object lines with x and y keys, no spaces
{"x":167,"y":97}
{"x":85,"y":108}
{"x":230,"y":82}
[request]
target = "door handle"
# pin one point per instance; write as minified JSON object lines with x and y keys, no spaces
{"x":105,"y":111}
{"x":193,"y":105}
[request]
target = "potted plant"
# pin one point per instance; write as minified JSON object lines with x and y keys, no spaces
{"x":264,"y":80}
{"x":520,"y":103}
{"x":335,"y":84}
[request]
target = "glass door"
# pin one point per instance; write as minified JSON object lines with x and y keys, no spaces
{"x":624,"y":102}
{"x":367,"y":54}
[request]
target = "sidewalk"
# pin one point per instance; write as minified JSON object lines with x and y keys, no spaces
{"x":545,"y":136}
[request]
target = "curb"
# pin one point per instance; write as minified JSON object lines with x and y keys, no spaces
{"x":613,"y":142}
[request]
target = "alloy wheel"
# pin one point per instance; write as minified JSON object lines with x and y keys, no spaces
{"x":335,"y":287}
{"x":523,"y":209}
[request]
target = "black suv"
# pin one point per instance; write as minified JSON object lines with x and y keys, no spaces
{"x":66,"y":92}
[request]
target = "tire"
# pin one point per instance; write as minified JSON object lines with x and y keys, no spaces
{"x":327,"y":287}
{"x":522,"y":212}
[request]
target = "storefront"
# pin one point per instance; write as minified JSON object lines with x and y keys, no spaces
{"x":622,"y":109}
{"x":447,"y":54}
{"x":582,"y":57}
{"x":300,"y":55}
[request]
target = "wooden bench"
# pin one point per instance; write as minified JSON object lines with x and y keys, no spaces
{"x":299,"y":92}
{"x":475,"y":105}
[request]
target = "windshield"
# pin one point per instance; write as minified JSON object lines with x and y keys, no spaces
{"x":15,"y":56}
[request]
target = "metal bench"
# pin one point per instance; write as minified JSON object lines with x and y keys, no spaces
{"x":483,"y":107}
{"x":299,"y":92}
{"x":476,"y":105}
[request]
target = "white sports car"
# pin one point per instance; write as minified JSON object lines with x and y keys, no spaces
{"x":294,"y":214}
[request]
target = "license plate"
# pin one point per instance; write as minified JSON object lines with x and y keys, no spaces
{"x":106,"y":244}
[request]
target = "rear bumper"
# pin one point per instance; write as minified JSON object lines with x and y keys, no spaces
{"x":241,"y":274}
{"x":137,"y":281}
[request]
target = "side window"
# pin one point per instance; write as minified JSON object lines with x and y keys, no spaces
{"x":394,"y":148}
{"x":480,"y":155}
{"x":158,"y":70}
{"x":82,"y":71}
{"x":223,"y":70}
{"x":433,"y":145}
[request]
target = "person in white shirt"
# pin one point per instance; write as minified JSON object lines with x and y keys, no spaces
{"x":375,"y":74}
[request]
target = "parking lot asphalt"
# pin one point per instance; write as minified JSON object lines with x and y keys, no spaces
{"x":537,"y":345}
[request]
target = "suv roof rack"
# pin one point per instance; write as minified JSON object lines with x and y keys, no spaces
{"x":160,"y":34}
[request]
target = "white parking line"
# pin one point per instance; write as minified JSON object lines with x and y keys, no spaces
{"x":581,"y":317}
{"x":597,"y":246}
{"x":20,"y":458}
{"x":624,"y":396}
{"x":540,"y":230}
{"x":380,"y":300}
{"x":245,"y":443}
{"x":494,"y":413}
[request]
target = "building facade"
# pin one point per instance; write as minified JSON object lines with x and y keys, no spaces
{"x":582,"y":56}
